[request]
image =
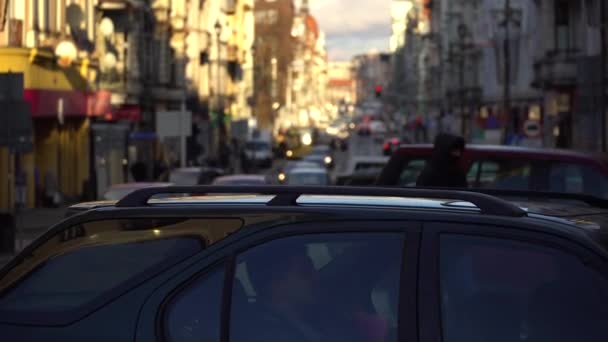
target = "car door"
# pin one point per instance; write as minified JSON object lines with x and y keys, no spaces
{"x":298,"y":282}
{"x":489,"y":283}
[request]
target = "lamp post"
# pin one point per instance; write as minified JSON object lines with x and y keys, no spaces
{"x":218,"y":100}
{"x":459,"y":57}
{"x":462,"y":31}
{"x":510,"y":15}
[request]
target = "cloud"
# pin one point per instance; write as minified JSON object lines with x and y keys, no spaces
{"x":353,"y":26}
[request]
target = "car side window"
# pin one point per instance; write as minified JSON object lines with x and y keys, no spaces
{"x":411,"y":170}
{"x":500,"y":174}
{"x":318,"y":288}
{"x":577,"y":178}
{"x":503,"y":290}
{"x":194,"y":314}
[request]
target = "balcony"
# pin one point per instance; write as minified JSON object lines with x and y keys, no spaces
{"x":556,"y":69}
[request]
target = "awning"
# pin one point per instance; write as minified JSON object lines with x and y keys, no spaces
{"x":16,"y":131}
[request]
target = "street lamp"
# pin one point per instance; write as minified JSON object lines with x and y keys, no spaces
{"x":510,"y":16}
{"x":460,"y":56}
{"x":218,"y":104}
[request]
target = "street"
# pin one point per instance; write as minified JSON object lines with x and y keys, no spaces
{"x":33,"y":223}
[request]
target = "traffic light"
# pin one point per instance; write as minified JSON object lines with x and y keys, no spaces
{"x":378,"y":91}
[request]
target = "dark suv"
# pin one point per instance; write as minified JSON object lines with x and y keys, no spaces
{"x":309,"y":264}
{"x":506,"y":167}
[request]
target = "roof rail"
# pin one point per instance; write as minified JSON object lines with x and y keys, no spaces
{"x":591,"y":200}
{"x":288,"y":195}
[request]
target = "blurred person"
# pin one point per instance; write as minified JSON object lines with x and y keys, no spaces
{"x":287,"y":293}
{"x":443,"y":170}
{"x":290,"y":304}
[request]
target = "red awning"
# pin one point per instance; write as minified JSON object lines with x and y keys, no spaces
{"x":47,"y":103}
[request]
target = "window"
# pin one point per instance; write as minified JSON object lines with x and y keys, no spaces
{"x":318,"y":288}
{"x":577,"y":179}
{"x":501,"y":290}
{"x":500,"y":174}
{"x":72,"y":280}
{"x":84,"y":267}
{"x":562,"y":25}
{"x":194,"y":315}
{"x":411,"y":171}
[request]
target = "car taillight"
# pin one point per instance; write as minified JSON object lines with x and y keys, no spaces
{"x":386,"y":146}
{"x":395,"y":141}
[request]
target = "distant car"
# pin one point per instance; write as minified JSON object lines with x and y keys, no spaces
{"x":360,"y":178}
{"x":119,"y":191}
{"x":378,"y":127}
{"x":241,"y":180}
{"x":361,"y":164}
{"x":509,"y":168}
{"x":307,"y":176}
{"x":292,"y":165}
{"x":194,"y":175}
{"x":258,"y":153}
{"x":321,"y":155}
{"x":390,"y":145}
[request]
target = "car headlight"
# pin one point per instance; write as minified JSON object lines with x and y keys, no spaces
{"x":289,"y":153}
{"x":282,"y":177}
{"x":307,"y":139}
{"x":327,"y":160}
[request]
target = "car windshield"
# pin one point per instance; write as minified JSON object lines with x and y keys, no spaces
{"x":257,"y":146}
{"x":304,"y":178}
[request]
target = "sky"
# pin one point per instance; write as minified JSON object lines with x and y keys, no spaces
{"x":353,"y":26}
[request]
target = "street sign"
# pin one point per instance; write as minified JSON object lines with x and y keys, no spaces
{"x":173,"y":124}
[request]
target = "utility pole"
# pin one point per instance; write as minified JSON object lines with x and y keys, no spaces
{"x":507,"y":72}
{"x":463,"y":116}
{"x":603,"y":72}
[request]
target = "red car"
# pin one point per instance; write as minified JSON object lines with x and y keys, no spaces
{"x":509,"y":168}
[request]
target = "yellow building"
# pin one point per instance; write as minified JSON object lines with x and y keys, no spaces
{"x":56,"y":75}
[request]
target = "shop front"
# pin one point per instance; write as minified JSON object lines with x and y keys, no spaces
{"x":57,"y":168}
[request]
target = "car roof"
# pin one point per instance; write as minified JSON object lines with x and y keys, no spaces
{"x":372,"y":159}
{"x":301,"y":170}
{"x":357,"y":199}
{"x":241,"y":177}
{"x":546,"y":152}
{"x":138,"y":185}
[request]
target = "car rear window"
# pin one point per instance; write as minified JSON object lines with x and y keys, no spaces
{"x":86,"y":266}
{"x":72,"y":280}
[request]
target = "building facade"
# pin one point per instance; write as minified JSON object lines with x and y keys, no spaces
{"x":274,"y":54}
{"x":95,"y":74}
{"x":507,"y":72}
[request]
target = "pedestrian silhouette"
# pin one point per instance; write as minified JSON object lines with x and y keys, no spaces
{"x":444,"y":170}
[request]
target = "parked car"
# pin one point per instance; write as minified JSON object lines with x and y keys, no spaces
{"x":320,"y":155}
{"x":241,"y":180}
{"x":360,"y":164}
{"x":119,"y":191}
{"x":194,"y":175}
{"x":505,"y":167}
{"x":306,"y":176}
{"x":368,"y":264}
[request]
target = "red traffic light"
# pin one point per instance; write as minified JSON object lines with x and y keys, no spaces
{"x":378,"y":90}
